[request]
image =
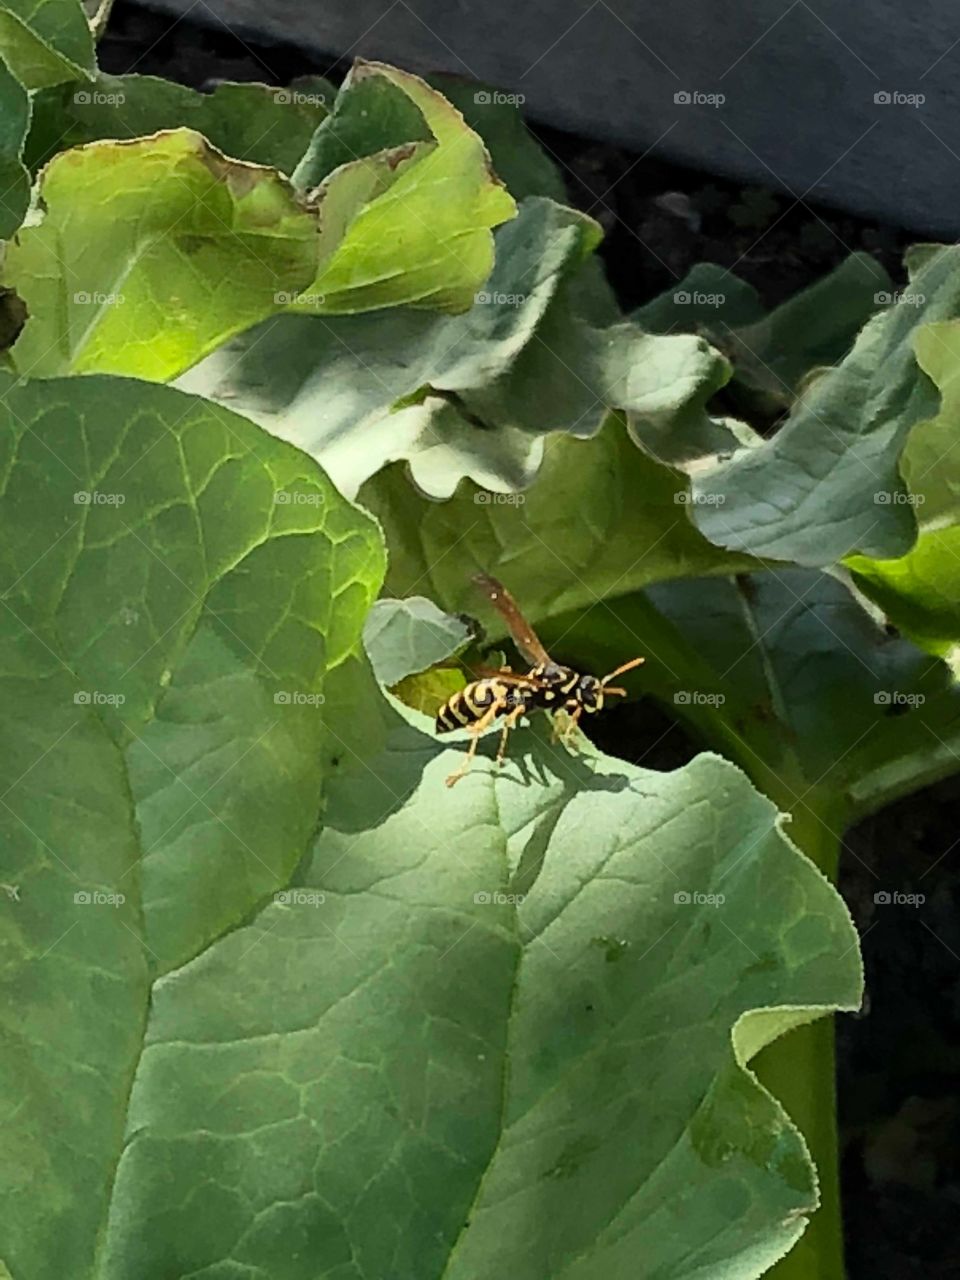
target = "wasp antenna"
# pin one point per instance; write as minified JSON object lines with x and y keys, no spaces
{"x":627,"y":666}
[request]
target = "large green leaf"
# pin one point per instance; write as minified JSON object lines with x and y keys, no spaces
{"x":249,"y":121}
{"x":468,"y":395}
{"x":500,"y":1027}
{"x":828,"y":482}
{"x":920,"y":591}
{"x":14,"y":178}
{"x":46,"y":42}
{"x":181,"y":596}
{"x":151,"y":253}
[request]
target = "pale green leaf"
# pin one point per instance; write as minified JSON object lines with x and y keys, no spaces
{"x":403,"y":637}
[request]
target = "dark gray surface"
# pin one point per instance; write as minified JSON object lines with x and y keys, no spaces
{"x":799,"y":81}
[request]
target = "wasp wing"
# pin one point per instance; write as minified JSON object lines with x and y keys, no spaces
{"x":526,"y":639}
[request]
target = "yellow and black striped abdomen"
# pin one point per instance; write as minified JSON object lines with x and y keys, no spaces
{"x":470,"y":704}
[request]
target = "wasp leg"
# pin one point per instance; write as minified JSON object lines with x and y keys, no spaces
{"x":571,"y":728}
{"x":509,"y":723}
{"x":480,"y":726}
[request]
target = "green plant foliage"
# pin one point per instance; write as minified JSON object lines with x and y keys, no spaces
{"x":279,"y":1003}
{"x":920,"y":591}
{"x":601,"y":520}
{"x":249,"y":121}
{"x":404,"y":637}
{"x":154,"y":251}
{"x":441,"y":197}
{"x":828,"y":483}
{"x":46,"y":42}
{"x":225,"y":1019}
{"x":470,"y":395}
{"x":14,"y":178}
{"x":806,"y":690}
{"x":151,"y":253}
{"x":773,"y":352}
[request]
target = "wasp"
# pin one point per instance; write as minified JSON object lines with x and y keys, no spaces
{"x":547,"y":686}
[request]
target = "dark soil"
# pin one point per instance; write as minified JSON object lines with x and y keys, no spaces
{"x":898,"y":1059}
